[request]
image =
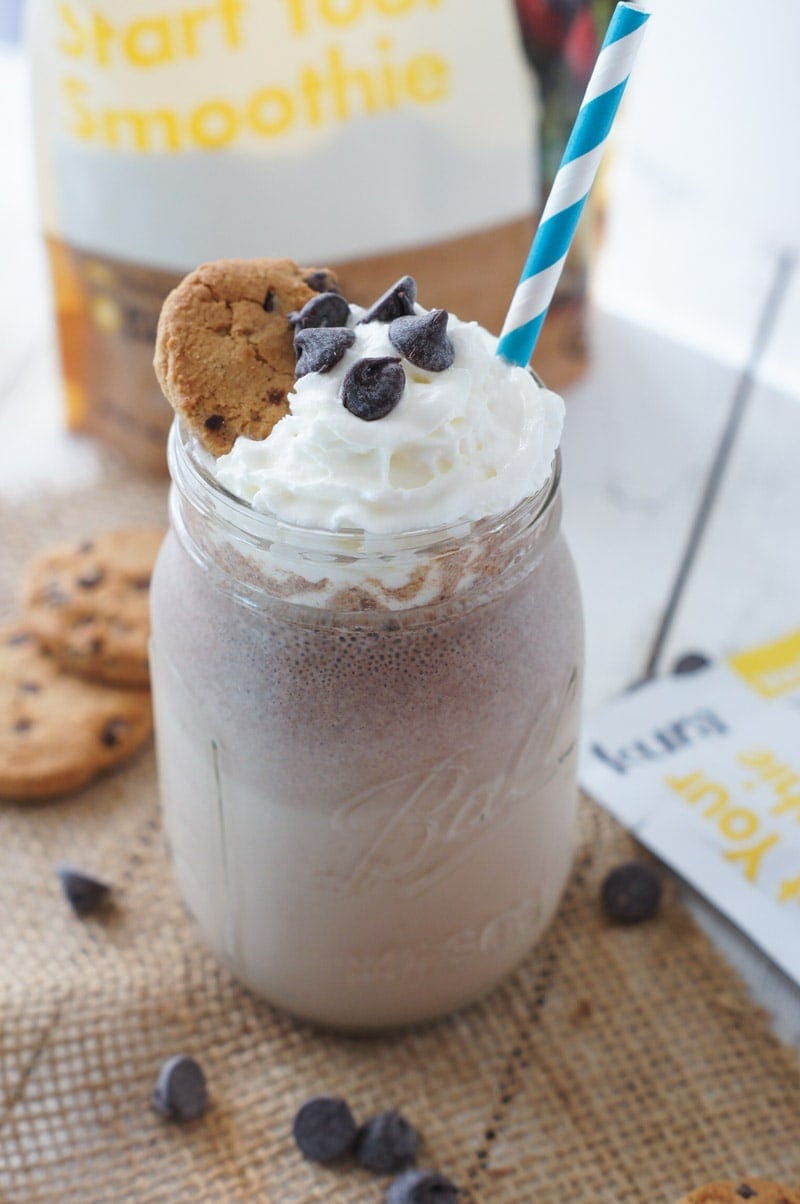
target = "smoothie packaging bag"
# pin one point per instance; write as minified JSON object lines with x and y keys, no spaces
{"x":703,"y":768}
{"x":375,"y":136}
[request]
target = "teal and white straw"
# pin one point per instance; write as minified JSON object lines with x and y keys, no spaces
{"x":572,"y":183}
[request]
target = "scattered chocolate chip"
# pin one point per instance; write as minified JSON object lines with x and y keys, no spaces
{"x":746,"y":1191}
{"x":373,"y":387}
{"x":321,"y":282}
{"x":180,"y":1092}
{"x":396,"y":302}
{"x":324,"y":1128}
{"x":84,"y":893}
{"x":421,"y":1187}
{"x":690,"y":662}
{"x":19,"y":637}
{"x":326,"y":309}
{"x":90,"y":580}
{"x":22,"y":725}
{"x":30,"y":687}
{"x":319,"y":348}
{"x":387,"y":1143}
{"x":96,"y":645}
{"x":113,"y":731}
{"x":213,"y":422}
{"x":631,"y":893}
{"x":268,"y":303}
{"x":86,"y":546}
{"x":141,"y":583}
{"x":423,"y":340}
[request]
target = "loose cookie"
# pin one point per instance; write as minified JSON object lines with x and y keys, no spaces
{"x":225,"y":355}
{"x":57,"y":731}
{"x":88,"y":604}
{"x":760,"y":1191}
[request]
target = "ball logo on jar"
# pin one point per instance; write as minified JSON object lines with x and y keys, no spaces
{"x":415,"y":828}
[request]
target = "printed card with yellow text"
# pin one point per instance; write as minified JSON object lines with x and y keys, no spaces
{"x":704,"y":769}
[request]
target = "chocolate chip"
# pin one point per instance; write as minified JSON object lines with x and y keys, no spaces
{"x":30,"y":687}
{"x":55,"y":595}
{"x":86,"y":546}
{"x":141,"y":583}
{"x":326,"y":309}
{"x":690,"y":662}
{"x":387,"y":1143}
{"x":268,"y":303}
{"x":22,"y":725}
{"x":319,"y":348}
{"x":631,"y":893}
{"x":373,"y":387}
{"x":19,"y":637}
{"x":422,"y":1187}
{"x":113,"y":731}
{"x":423,"y":340}
{"x":180,"y":1092}
{"x":324,"y":1128}
{"x":396,"y":302}
{"x":321,"y":282}
{"x":213,"y":422}
{"x":745,"y":1191}
{"x":84,"y":893}
{"x":90,"y":580}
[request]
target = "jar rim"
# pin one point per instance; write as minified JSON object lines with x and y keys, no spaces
{"x":190,"y":476}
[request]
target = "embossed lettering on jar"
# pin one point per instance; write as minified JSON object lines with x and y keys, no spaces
{"x":367,"y":747}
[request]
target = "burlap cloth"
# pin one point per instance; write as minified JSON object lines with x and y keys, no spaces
{"x":616,"y":1065}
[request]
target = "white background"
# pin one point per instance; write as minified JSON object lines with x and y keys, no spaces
{"x":705,"y":179}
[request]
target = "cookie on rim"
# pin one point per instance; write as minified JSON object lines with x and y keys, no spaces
{"x":225,"y":356}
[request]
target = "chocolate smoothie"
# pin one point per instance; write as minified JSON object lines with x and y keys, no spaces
{"x":367,"y":725}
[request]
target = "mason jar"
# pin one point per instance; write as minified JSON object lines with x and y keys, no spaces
{"x":367,"y":747}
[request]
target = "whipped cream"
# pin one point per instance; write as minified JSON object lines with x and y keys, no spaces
{"x":460,"y":445}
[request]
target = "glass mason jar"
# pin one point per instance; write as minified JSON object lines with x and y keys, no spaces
{"x":367,"y":747}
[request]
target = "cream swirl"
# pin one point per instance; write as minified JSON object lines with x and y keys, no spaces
{"x":461,"y":444}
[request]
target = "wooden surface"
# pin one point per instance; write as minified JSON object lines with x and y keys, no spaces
{"x":643,"y":431}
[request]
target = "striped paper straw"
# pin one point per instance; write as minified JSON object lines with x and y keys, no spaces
{"x":572,"y":183}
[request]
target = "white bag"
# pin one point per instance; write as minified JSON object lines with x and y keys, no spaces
{"x":376,"y":136}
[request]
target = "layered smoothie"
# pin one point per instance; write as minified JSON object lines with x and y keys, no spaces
{"x":366,"y":667}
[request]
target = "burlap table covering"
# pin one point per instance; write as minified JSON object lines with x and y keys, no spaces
{"x":616,"y":1065}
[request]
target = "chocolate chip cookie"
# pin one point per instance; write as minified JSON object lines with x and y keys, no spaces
{"x":58,"y":731}
{"x":88,"y":604}
{"x":225,"y":356}
{"x":760,"y":1191}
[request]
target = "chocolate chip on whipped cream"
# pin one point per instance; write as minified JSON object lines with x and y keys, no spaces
{"x":319,"y":348}
{"x":325,"y":309}
{"x":423,"y":340}
{"x":396,"y":302}
{"x":373,"y":387}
